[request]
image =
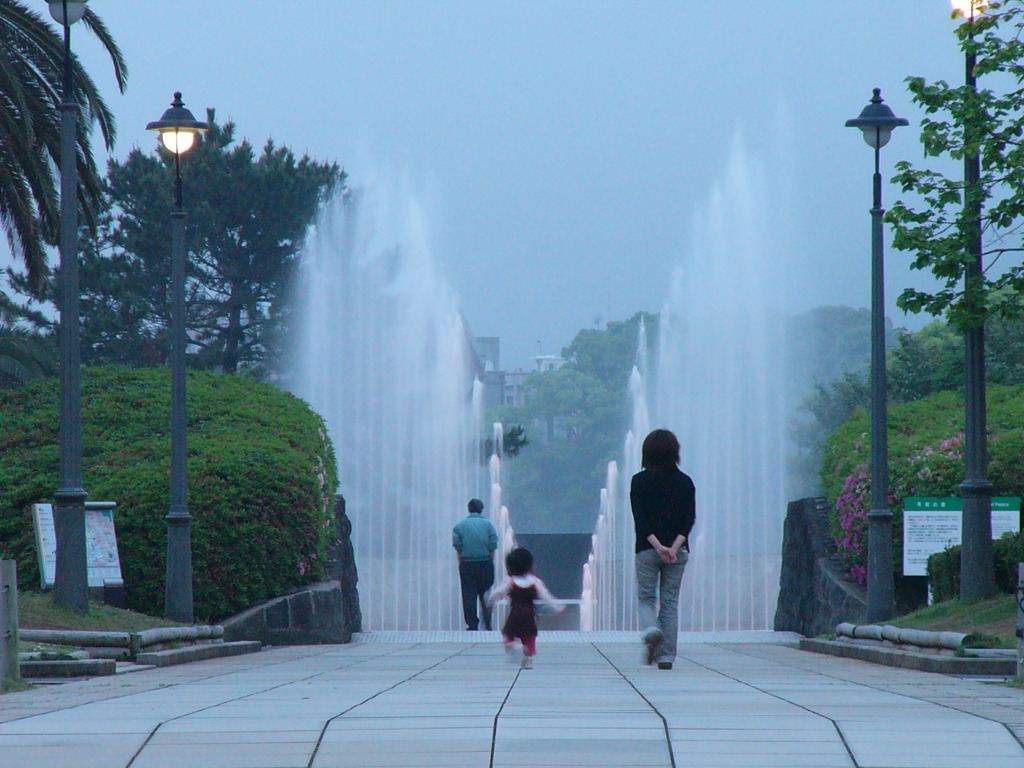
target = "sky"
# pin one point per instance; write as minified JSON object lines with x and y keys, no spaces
{"x":562,"y":147}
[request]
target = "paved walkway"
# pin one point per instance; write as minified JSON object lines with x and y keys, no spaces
{"x":398,"y":700}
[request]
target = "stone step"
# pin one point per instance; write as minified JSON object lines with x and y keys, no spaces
{"x":189,"y":653}
{"x":68,"y":668}
{"x":921,"y":661}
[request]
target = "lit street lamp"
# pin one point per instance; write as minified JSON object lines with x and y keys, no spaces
{"x":178,"y":128}
{"x":71,"y":581}
{"x":877,"y":121}
{"x":977,"y":575}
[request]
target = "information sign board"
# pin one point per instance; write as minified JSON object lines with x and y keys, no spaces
{"x":102,"y":560}
{"x":931,"y":525}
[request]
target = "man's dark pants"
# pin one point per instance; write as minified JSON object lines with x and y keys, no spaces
{"x":477,"y":577}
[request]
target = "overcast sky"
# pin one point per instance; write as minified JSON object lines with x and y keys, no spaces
{"x":562,"y":146}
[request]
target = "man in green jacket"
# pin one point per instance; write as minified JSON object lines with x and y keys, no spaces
{"x":475,"y":541}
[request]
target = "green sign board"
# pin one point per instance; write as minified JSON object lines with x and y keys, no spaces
{"x":932,"y":524}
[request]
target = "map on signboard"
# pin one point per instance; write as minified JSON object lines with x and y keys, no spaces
{"x":102,"y":559}
{"x":931,"y":525}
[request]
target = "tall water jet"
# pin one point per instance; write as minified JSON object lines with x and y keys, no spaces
{"x":720,"y":387}
{"x":382,"y":353}
{"x":717,"y":382}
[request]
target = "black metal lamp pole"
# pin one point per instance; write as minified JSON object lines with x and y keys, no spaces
{"x":178,"y":128}
{"x":977,"y":575}
{"x":71,"y":579}
{"x":877,"y":121}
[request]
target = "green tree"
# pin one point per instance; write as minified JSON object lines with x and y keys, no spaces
{"x":576,"y":418}
{"x":925,"y":363}
{"x":963,"y":121}
{"x":31,"y":76}
{"x":248,"y":215}
{"x":24,"y":355}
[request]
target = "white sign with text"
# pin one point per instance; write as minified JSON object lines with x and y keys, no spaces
{"x":931,"y":525}
{"x":102,"y":559}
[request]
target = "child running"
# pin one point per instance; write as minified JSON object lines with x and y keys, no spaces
{"x":522,"y":588}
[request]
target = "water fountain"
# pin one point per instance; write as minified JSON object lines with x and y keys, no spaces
{"x":383,"y":355}
{"x":717,"y":382}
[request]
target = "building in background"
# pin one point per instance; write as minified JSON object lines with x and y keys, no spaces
{"x":504,"y":387}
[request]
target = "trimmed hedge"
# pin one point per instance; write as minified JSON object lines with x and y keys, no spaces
{"x":925,"y":459}
{"x":261,"y":470}
{"x":944,"y":567}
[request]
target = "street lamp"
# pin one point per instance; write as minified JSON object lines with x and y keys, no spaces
{"x":178,"y":128}
{"x":977,"y":575}
{"x":877,"y":121}
{"x":71,"y":580}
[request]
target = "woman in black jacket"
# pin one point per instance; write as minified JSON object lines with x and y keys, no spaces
{"x":664,"y":511}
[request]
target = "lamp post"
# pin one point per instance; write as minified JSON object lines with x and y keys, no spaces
{"x":877,"y":122}
{"x":178,"y":128}
{"x":71,"y":579}
{"x":977,"y":576}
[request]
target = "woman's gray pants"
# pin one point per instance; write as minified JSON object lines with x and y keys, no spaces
{"x":657,"y":590}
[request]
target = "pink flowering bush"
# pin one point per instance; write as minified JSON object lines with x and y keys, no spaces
{"x":851,"y":516}
{"x":925,"y":459}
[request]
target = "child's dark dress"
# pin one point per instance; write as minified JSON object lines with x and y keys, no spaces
{"x":522,"y":618}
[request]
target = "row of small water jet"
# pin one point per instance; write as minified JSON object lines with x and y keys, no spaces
{"x":600,"y":602}
{"x":608,"y":601}
{"x":382,"y":353}
{"x":506,"y":534}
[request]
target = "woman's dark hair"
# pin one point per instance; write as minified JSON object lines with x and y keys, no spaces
{"x":518,"y":562}
{"x":660,"y":451}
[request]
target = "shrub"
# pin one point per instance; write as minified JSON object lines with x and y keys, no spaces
{"x":944,"y":567}
{"x":925,"y":459}
{"x":261,"y":474}
{"x":944,"y":574}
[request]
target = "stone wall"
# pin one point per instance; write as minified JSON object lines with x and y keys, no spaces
{"x":341,"y":567}
{"x":814,"y":593}
{"x":327,"y":612}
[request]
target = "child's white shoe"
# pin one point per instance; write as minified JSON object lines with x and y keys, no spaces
{"x":513,"y":651}
{"x":527,"y":662}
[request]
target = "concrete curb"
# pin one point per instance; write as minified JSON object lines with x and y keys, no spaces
{"x":189,"y":653}
{"x":922,"y":662}
{"x":69,"y":668}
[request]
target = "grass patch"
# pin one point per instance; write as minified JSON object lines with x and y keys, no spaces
{"x":48,"y":650}
{"x":10,"y":686}
{"x":992,"y":623}
{"x":36,"y":610}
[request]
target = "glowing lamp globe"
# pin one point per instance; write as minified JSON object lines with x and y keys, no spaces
{"x":968,"y":8}
{"x":177,"y":127}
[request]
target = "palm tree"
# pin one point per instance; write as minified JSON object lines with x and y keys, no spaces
{"x":31,"y":80}
{"x":25,"y":355}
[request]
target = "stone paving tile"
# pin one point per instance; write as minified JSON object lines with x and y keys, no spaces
{"x":335,"y":757}
{"x":288,"y":755}
{"x":823,"y":732}
{"x":420,"y":705}
{"x":58,"y":723}
{"x":777,"y":760}
{"x":69,"y":757}
{"x":162,"y":737}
